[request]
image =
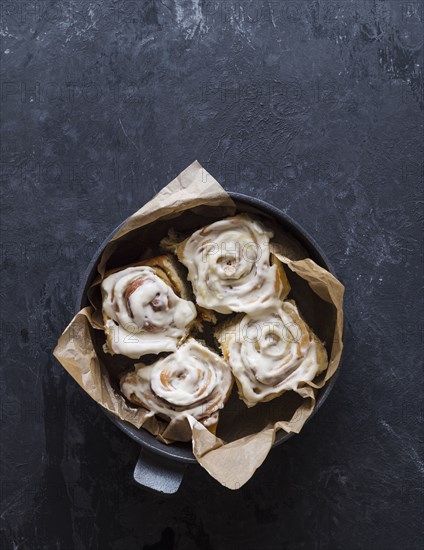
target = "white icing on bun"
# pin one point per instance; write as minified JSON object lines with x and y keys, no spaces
{"x":142,"y":314}
{"x":230,"y":268}
{"x":192,"y":381}
{"x":271,"y":353}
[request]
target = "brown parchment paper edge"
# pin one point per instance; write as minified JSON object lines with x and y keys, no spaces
{"x":232,"y":464}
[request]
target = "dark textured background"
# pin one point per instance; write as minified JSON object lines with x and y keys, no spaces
{"x":316,"y":107}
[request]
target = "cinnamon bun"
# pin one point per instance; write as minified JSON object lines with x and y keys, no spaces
{"x":271,"y":352}
{"x":193,"y":381}
{"x":143,"y":311}
{"x":230,"y":266}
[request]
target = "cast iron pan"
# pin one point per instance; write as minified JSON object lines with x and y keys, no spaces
{"x":161,"y":467}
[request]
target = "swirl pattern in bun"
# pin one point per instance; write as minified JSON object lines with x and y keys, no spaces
{"x":142,"y":312}
{"x":271,"y":352}
{"x":192,"y":381}
{"x":230,"y":266}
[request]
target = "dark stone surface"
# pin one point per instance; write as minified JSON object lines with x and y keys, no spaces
{"x":316,"y":107}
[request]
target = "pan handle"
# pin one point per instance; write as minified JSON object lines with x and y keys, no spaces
{"x":157,"y":473}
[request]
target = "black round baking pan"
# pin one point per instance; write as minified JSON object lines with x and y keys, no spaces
{"x":160,"y":466}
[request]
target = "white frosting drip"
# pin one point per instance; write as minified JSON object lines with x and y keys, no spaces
{"x":272,"y":352}
{"x":144,"y":315}
{"x":192,"y":381}
{"x":229,"y":267}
